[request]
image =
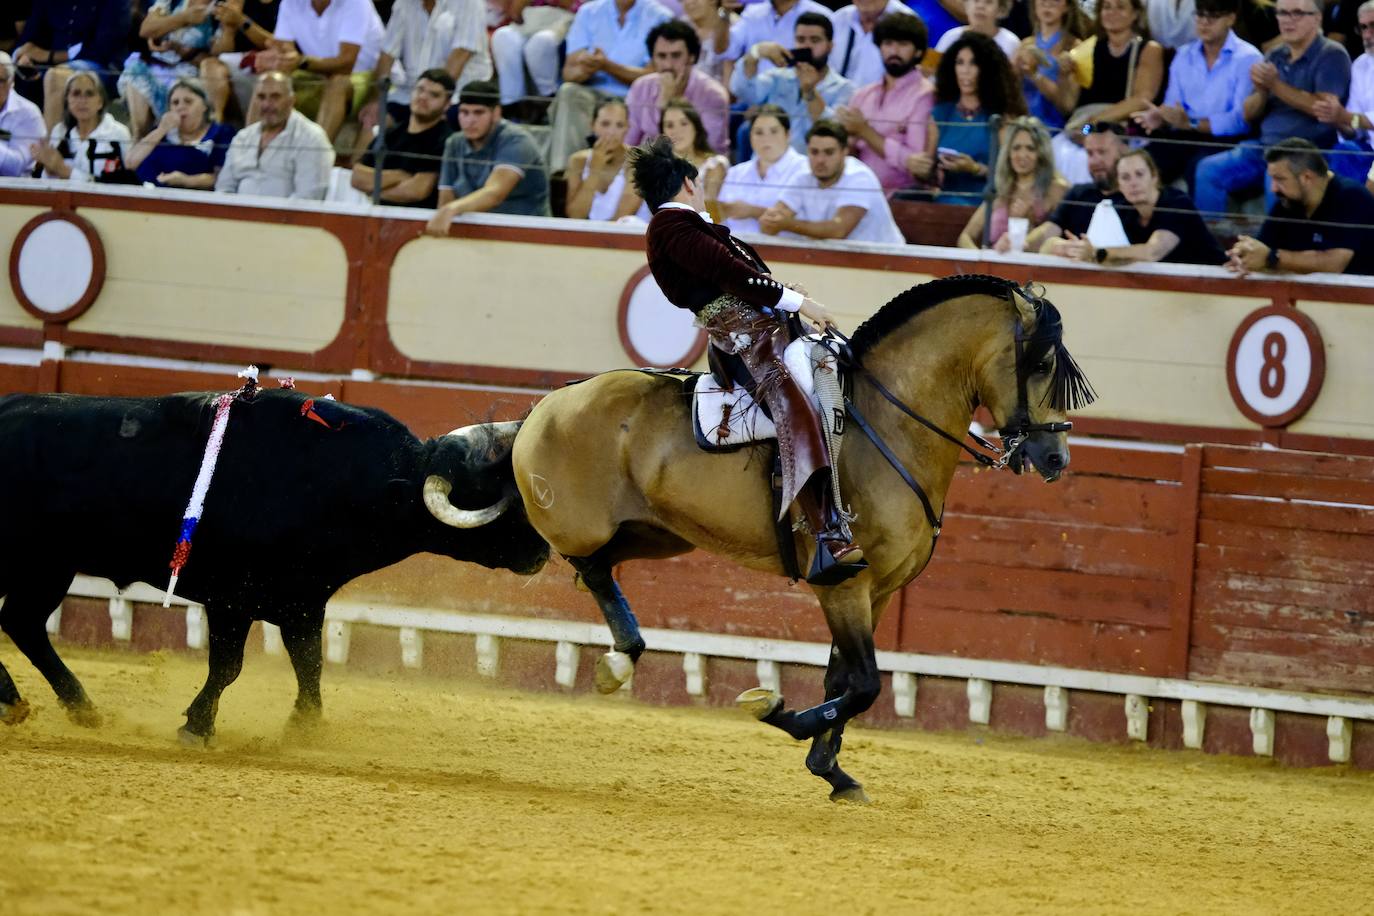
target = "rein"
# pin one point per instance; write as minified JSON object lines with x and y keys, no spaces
{"x":1015,"y":432}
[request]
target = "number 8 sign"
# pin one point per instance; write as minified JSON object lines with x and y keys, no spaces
{"x":1276,"y":365}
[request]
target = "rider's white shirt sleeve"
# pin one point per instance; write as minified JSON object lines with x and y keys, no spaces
{"x":790,"y":300}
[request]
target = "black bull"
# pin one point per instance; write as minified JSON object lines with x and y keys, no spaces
{"x":301,"y":502}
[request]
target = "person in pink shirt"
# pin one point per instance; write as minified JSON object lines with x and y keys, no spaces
{"x":673,"y":51}
{"x":887,"y":121}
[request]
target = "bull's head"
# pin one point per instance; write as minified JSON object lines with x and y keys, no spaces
{"x":471,"y":463}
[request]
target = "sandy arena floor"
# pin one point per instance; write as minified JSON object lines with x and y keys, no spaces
{"x":441,"y":797}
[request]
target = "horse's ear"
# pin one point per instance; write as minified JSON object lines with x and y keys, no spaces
{"x":1027,"y":313}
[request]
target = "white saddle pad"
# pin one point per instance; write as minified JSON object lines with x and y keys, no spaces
{"x":730,"y":417}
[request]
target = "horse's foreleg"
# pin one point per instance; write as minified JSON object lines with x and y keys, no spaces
{"x":850,"y":616}
{"x":823,"y":758}
{"x":615,"y":667}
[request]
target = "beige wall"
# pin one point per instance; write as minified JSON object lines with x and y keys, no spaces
{"x":1154,"y":356}
{"x":12,"y":219}
{"x":217,"y":281}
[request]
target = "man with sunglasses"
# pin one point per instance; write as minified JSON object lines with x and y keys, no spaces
{"x":1353,"y":154}
{"x":1209,"y":81}
{"x":1287,"y":86}
{"x":21,"y":125}
{"x":1104,"y":142}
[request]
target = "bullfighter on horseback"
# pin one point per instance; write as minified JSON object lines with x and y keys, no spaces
{"x":750,"y":318}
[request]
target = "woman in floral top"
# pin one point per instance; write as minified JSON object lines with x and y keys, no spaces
{"x":178,"y":34}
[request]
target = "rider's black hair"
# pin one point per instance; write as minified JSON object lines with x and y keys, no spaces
{"x":658,"y":172}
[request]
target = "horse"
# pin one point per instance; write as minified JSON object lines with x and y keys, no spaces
{"x":609,"y":471}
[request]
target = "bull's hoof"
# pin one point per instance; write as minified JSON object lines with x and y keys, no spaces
{"x":14,"y":713}
{"x":84,"y":715}
{"x":612,"y":671}
{"x":853,"y":795}
{"x":188,"y":738}
{"x":759,"y":702}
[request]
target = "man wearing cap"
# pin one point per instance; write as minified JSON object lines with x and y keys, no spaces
{"x":21,"y":124}
{"x":490,"y":165}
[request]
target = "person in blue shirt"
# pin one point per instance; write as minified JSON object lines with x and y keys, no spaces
{"x":1209,"y":81}
{"x":490,"y":165}
{"x":69,"y":35}
{"x":607,"y":50}
{"x":186,"y":149}
{"x":1286,"y":83}
{"x":806,"y":90}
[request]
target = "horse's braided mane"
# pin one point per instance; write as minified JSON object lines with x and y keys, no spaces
{"x":916,"y":300}
{"x":1069,"y":389}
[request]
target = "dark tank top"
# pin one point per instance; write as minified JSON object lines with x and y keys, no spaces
{"x":1110,"y":74}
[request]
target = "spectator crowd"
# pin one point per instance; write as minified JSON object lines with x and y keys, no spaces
{"x":1102,"y":131}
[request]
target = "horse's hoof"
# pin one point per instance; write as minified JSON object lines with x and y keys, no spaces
{"x":853,"y":795}
{"x":84,"y":715}
{"x":612,"y":671}
{"x":14,"y":713}
{"x":188,"y":738}
{"x":305,"y":720}
{"x":759,"y":702}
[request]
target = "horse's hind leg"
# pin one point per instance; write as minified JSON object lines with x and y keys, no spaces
{"x":24,"y":618}
{"x":614,"y":668}
{"x":823,"y":758}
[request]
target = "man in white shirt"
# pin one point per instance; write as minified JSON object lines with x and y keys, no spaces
{"x":856,"y":56}
{"x":839,"y":198}
{"x":283,"y":153}
{"x":21,"y":125}
{"x":424,"y":34}
{"x":329,"y":47}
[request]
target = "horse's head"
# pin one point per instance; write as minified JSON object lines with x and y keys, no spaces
{"x":1033,"y":384}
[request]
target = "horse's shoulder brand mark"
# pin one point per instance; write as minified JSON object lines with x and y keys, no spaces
{"x":543,"y":491}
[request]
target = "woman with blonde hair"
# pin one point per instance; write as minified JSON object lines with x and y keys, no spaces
{"x":1027,"y":186}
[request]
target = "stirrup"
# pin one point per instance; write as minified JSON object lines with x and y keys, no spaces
{"x":826,"y":570}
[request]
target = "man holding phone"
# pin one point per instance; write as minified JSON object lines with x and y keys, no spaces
{"x":801,"y":84}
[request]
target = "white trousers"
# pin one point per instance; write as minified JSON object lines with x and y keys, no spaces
{"x":530,"y":46}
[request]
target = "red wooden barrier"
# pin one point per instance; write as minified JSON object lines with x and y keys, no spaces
{"x":1285,"y":565}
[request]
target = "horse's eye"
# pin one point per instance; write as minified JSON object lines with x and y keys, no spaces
{"x":1044,"y":367}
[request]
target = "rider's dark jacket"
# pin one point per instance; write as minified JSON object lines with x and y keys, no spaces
{"x":695,"y":262}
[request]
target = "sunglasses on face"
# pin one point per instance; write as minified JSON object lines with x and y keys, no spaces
{"x":1103,"y":127}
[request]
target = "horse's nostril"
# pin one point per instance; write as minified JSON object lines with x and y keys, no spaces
{"x":1055,"y":460}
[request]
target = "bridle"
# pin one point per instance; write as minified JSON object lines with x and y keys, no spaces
{"x":1014,"y":433}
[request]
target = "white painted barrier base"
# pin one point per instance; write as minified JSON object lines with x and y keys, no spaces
{"x":769,"y":655}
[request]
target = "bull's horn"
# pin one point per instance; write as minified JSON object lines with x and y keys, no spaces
{"x":499,"y":432}
{"x":436,"y":501}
